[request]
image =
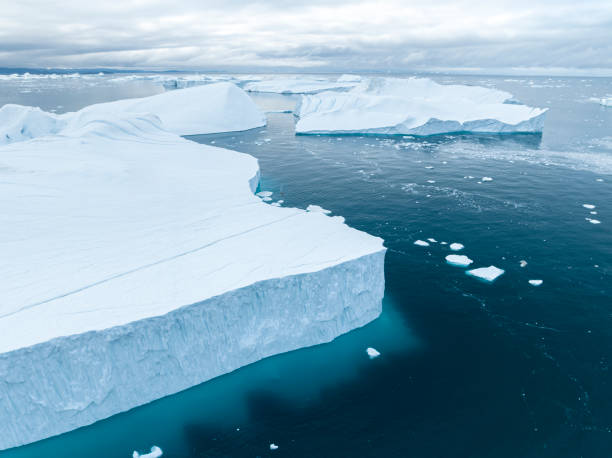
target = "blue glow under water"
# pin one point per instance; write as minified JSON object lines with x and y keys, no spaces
{"x":467,"y":369}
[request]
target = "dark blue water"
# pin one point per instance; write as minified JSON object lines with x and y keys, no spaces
{"x":467,"y":369}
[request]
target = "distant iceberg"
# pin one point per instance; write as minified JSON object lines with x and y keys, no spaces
{"x":136,"y":263}
{"x":302,"y":85}
{"x":414,"y":106}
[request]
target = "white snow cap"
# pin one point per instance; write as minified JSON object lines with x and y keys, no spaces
{"x":372,"y":352}
{"x":458,"y":260}
{"x":489,"y":274}
{"x":421,"y":243}
{"x":536,"y":282}
{"x":414,"y":106}
{"x":456,"y":246}
{"x":155,"y":452}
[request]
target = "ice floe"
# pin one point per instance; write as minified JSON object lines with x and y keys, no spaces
{"x":488,"y":274}
{"x":593,"y":221}
{"x":522,"y":263}
{"x":417,"y":106}
{"x":484,"y":179}
{"x":458,"y":260}
{"x":456,"y":246}
{"x":421,"y":243}
{"x":536,"y":282}
{"x":273,"y":446}
{"x":589,"y":206}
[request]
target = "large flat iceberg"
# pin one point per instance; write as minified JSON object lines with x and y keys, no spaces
{"x":136,"y":263}
{"x":414,"y":106}
{"x":301,"y":85}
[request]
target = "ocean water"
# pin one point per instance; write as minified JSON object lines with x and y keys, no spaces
{"x":467,"y":369}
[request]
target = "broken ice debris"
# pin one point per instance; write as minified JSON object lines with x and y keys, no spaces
{"x":458,"y":260}
{"x":488,"y":274}
{"x":372,"y":352}
{"x":155,"y":452}
{"x":317,"y":209}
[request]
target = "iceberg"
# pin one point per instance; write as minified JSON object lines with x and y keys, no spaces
{"x":300,"y":85}
{"x":223,"y":107}
{"x":137,"y":263}
{"x":414,"y":106}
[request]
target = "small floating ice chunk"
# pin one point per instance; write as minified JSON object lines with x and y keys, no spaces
{"x":431,"y":181}
{"x":264,"y":193}
{"x":155,"y":452}
{"x":266,"y":199}
{"x":593,"y":221}
{"x":273,"y":446}
{"x":536,"y":282}
{"x":589,"y":206}
{"x":421,"y":243}
{"x":443,"y":243}
{"x":599,"y":179}
{"x":372,"y":352}
{"x":429,"y":167}
{"x":458,"y":260}
{"x":487,"y":179}
{"x":317,"y":209}
{"x":267,"y":140}
{"x":432,"y":240}
{"x":456,"y":246}
{"x":522,"y":263}
{"x":489,"y":274}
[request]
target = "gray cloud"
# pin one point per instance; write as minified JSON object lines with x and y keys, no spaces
{"x":318,"y":36}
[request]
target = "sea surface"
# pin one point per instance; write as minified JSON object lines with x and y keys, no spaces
{"x":467,"y":369}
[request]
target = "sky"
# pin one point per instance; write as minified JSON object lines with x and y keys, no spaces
{"x":528,"y":36}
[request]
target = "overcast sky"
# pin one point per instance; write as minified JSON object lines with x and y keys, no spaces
{"x":316,"y":35}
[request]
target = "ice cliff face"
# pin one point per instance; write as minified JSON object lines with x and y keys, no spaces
{"x":136,"y":263}
{"x":414,"y":106}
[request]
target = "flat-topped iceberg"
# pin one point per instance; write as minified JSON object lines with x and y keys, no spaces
{"x":414,"y":106}
{"x":301,"y":85}
{"x":136,"y":263}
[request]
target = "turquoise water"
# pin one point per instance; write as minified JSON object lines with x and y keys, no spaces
{"x":467,"y":369}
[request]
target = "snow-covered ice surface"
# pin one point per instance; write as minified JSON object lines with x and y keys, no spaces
{"x":137,"y":263}
{"x":414,"y":106}
{"x":488,"y":274}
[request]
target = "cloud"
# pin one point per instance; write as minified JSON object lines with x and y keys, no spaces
{"x":319,"y":35}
